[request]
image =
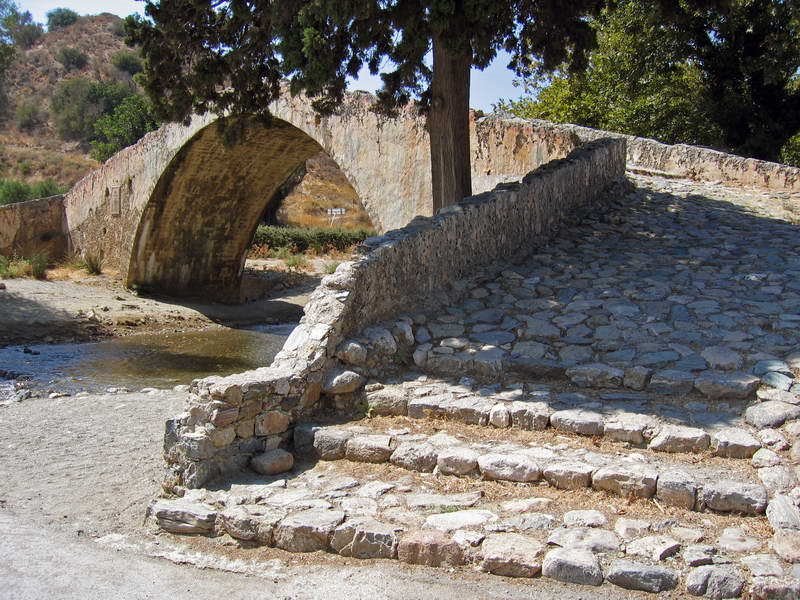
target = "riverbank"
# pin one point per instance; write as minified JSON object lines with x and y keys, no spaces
{"x":71,"y":306}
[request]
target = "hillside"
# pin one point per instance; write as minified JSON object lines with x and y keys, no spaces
{"x":37,"y":152}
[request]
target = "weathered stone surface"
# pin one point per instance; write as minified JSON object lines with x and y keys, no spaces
{"x":365,"y":538}
{"x":770,"y":588}
{"x":786,"y":544}
{"x":511,"y":555}
{"x":625,"y":480}
{"x":697,"y":555}
{"x":736,"y":540}
{"x":499,"y":416}
{"x":779,"y":381}
{"x":271,"y":423}
{"x":779,"y":479}
{"x":568,"y":476}
{"x":632,"y":428}
{"x":765,"y":458}
{"x":572,"y":566}
{"x":251,"y":522}
{"x":772,"y":413}
{"x":638,"y":576}
{"x":726,"y":386}
{"x":352,"y":352}
{"x":342,"y":382}
{"x":529,"y":415}
{"x":429,"y":547}
{"x":671,"y":381}
{"x":415,"y":456}
{"x":460,"y":519}
{"x":308,"y":530}
{"x":733,"y":496}
{"x":716,"y":582}
{"x":734,"y":442}
{"x":629,"y":529}
{"x":783,"y":513}
{"x":508,"y":467}
{"x":369,"y":448}
{"x":720,"y":357}
{"x":676,"y":438}
{"x":596,"y":375}
{"x":457,"y":460}
{"x":596,"y":540}
{"x":654,"y":547}
{"x":584,"y":518}
{"x":442,"y":501}
{"x":330,"y":443}
{"x":763,"y":565}
{"x":183,"y":516}
{"x":387,"y":402}
{"x":582,"y":422}
{"x":272,"y":462}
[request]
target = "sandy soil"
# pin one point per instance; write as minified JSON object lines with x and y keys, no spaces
{"x":73,"y":306}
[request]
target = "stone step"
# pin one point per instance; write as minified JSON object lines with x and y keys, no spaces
{"x":635,"y":419}
{"x":674,"y":483}
{"x":385,"y":512}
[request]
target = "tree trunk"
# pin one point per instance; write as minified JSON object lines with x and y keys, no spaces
{"x":448,"y":124}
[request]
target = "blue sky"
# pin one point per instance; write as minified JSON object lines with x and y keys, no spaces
{"x":488,"y":86}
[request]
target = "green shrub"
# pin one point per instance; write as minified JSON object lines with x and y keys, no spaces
{"x":78,"y":103}
{"x":38,"y":266}
{"x":72,"y":58}
{"x":59,"y":18}
{"x":28,"y":116}
{"x":127,"y":61}
{"x":790,"y":153}
{"x":317,"y":239}
{"x":330,"y":267}
{"x":46,"y":188}
{"x":12,"y":190}
{"x":35,"y":266}
{"x":125,"y":126}
{"x":296,"y":262}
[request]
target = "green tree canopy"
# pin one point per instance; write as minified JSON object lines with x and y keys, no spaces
{"x":724,"y":76}
{"x":203,"y":55}
{"x":20,"y":28}
{"x":58,"y":18}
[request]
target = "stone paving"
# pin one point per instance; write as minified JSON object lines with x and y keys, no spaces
{"x":670,"y":292}
{"x":621,"y":407}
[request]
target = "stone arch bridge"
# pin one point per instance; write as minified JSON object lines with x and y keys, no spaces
{"x":176,"y":212}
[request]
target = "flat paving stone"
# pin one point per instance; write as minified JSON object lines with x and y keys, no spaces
{"x":573,"y":566}
{"x":639,"y":576}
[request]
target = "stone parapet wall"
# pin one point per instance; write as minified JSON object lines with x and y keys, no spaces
{"x":34,"y":227}
{"x":231,"y":418}
{"x":690,"y":162}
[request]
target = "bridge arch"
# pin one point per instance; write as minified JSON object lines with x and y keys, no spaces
{"x":194,"y":232}
{"x":174,"y":213}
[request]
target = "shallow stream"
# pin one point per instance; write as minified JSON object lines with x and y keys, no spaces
{"x":139,"y":361}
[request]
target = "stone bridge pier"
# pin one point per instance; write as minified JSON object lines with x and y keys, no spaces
{"x":176,"y":213}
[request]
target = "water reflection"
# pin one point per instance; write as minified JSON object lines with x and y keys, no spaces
{"x":145,"y":360}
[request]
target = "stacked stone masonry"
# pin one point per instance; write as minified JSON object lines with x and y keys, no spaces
{"x":234,"y":417}
{"x":619,"y":407}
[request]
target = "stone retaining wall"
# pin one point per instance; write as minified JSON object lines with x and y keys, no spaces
{"x":34,"y":227}
{"x":690,"y":162}
{"x":231,"y":418}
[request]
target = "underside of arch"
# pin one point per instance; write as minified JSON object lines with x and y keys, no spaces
{"x":196,"y":228}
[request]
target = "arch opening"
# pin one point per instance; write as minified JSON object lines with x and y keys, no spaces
{"x":197,"y":227}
